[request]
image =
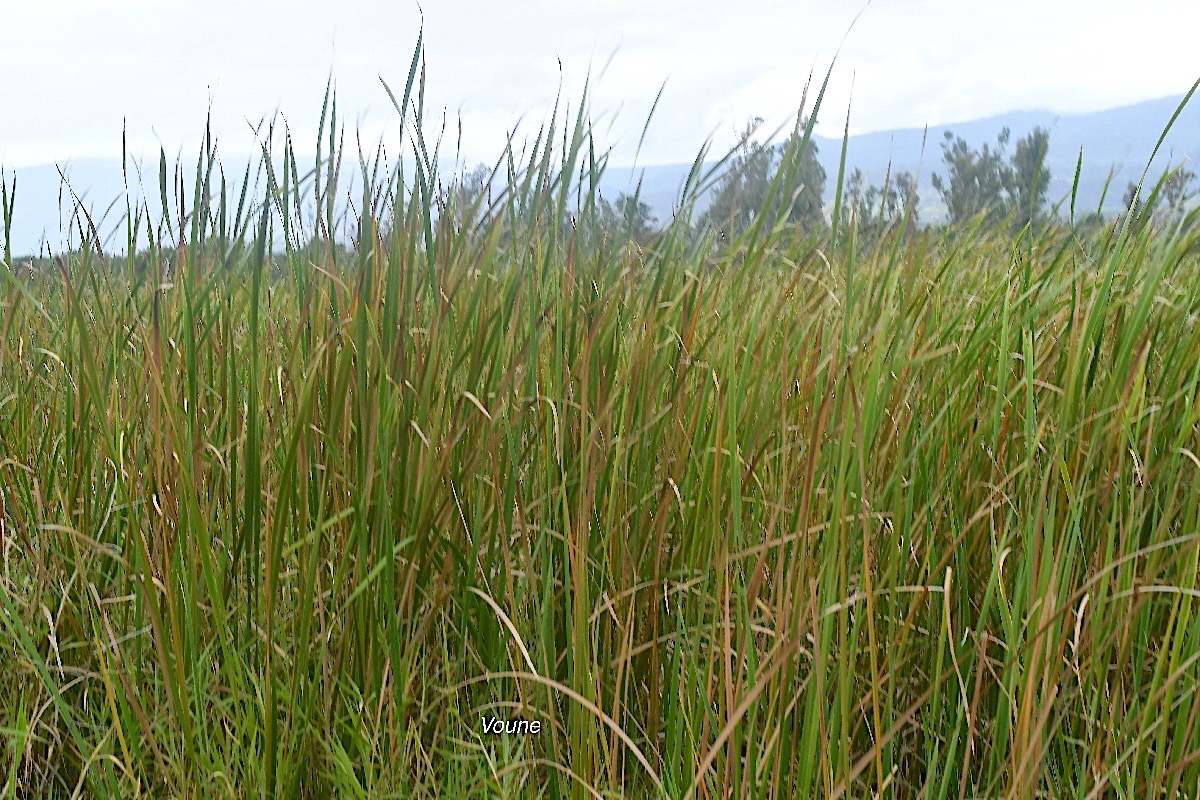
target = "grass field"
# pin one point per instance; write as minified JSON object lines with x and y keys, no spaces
{"x":799,"y":517}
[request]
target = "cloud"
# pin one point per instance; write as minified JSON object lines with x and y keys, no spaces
{"x":79,"y":71}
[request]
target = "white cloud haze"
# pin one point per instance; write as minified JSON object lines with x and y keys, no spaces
{"x":73,"y":71}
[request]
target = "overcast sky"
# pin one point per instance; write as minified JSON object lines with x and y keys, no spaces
{"x":72,"y":70}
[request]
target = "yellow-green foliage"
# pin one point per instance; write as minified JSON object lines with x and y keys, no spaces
{"x":788,"y":520}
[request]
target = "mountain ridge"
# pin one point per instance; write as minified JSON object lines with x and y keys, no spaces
{"x":1120,"y":139}
{"x":1116,"y":145}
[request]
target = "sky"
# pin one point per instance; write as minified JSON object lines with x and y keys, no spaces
{"x":76,"y":73}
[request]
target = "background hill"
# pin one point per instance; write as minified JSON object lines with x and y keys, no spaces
{"x":1119,"y":140}
{"x":1116,"y":142}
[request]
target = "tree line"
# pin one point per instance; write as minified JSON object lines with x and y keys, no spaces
{"x":785,"y":181}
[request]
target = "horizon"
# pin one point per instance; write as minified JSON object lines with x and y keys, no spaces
{"x":304,"y":151}
{"x":97,"y":181}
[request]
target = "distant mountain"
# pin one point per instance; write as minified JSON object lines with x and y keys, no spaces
{"x":43,"y":212}
{"x":1119,"y":140}
{"x":43,"y":204}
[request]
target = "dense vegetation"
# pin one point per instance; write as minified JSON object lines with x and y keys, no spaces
{"x":792,"y":516}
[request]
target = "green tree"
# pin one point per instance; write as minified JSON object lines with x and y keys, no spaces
{"x":1167,"y":202}
{"x":987,"y":182}
{"x":1176,"y":192}
{"x":467,"y":197}
{"x":630,"y":217}
{"x":746,"y":191}
{"x":741,"y":192}
{"x":801,"y":197}
{"x":976,"y":181}
{"x":906,"y":185}
{"x":1030,"y":179}
{"x":1132,"y":200}
{"x":875,"y":208}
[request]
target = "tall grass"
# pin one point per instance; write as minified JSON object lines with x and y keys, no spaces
{"x":286,"y":519}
